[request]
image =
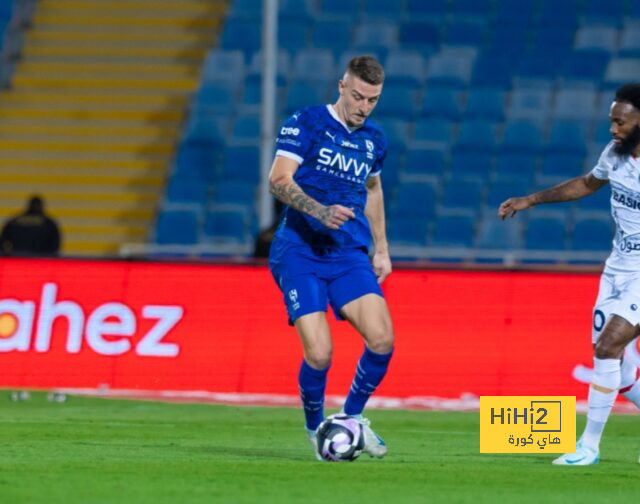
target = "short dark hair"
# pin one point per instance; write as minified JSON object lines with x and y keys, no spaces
{"x":629,"y":93}
{"x":366,"y":68}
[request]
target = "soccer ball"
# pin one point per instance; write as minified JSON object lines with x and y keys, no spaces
{"x":340,"y":438}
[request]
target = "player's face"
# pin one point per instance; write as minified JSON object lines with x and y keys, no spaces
{"x":625,"y":127}
{"x":358,"y":98}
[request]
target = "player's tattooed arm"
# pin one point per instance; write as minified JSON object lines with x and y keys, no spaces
{"x":570,"y":190}
{"x":283,"y":187}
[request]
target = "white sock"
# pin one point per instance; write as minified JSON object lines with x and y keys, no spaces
{"x":628,"y":381}
{"x":607,"y":375}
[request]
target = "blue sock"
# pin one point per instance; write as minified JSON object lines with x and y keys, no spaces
{"x":369,"y":373}
{"x":312,"y":384}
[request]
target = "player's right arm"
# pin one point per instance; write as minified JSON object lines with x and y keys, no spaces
{"x":284,"y":187}
{"x":570,"y":190}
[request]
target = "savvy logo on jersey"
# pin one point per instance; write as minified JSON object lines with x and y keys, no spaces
{"x":107,"y":330}
{"x":330,"y":158}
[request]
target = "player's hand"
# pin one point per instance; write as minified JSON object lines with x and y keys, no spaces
{"x":335,"y":216}
{"x":513,"y":205}
{"x":381,"y":265}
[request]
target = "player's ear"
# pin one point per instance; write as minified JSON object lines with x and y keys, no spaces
{"x":341,"y":87}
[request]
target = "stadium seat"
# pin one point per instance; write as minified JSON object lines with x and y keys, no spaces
{"x":434,"y":9}
{"x":304,"y":94}
{"x":179,"y":227}
{"x":246,"y":127}
{"x":184,"y":189}
{"x":515,"y":166}
{"x":545,"y":233}
{"x":506,"y":39}
{"x":465,"y":33}
{"x":314,"y":65}
{"x":567,"y":137}
{"x":558,"y":14}
{"x":398,"y":101}
{"x":346,"y":10}
{"x":436,"y":133}
{"x":528,"y":103}
{"x":630,"y":43}
{"x":206,"y":128}
{"x":584,"y":66}
{"x":424,"y":162}
{"x":486,"y":103}
{"x":242,"y":163}
{"x":500,"y":191}
{"x":602,"y":133}
{"x":574,"y":103}
{"x":381,"y":9}
{"x":592,"y":234}
{"x":604,"y":38}
{"x":407,"y":231}
{"x":450,"y":68}
{"x":332,"y":35}
{"x":479,"y":135}
{"x":217,"y":98}
{"x":197,"y":160}
{"x":476,"y":10}
{"x":461,"y":195}
{"x":226,"y":225}
{"x":470,"y":165}
{"x":241,"y":34}
{"x":559,"y":166}
{"x":442,"y":102}
{"x":497,"y":234}
{"x":256,"y":65}
{"x":609,"y":12}
{"x":600,"y":201}
{"x":453,"y":231}
{"x":522,"y":136}
{"x":404,"y":68}
{"x":226,"y":65}
{"x":248,"y":9}
{"x":293,"y":35}
{"x":423,"y":36}
{"x":297,"y":10}
{"x":558,"y":39}
{"x":378,"y":35}
{"x":414,"y":200}
{"x":621,"y":71}
{"x":234,"y":192}
{"x":397,"y":131}
{"x":493,"y":71}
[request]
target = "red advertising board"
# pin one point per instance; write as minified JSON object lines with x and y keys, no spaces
{"x":185,"y":327}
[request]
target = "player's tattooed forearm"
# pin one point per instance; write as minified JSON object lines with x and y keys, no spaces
{"x":294,"y":196}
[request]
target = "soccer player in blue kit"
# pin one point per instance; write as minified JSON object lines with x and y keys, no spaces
{"x":327,"y":172}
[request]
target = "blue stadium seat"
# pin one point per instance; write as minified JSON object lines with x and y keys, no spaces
{"x":584,"y":66}
{"x":414,"y":200}
{"x":197,"y":160}
{"x":404,"y":68}
{"x":217,"y":98}
{"x":442,"y":102}
{"x":314,"y":65}
{"x":621,"y":71}
{"x":304,"y":94}
{"x":501,"y":191}
{"x":226,"y":225}
{"x":242,"y":163}
{"x":567,"y":137}
{"x":397,"y":131}
{"x":492,"y":71}
{"x":630,"y":43}
{"x":382,"y":9}
{"x":227,"y":65}
{"x":450,"y":68}
{"x":340,"y":9}
{"x":592,"y":234}
{"x":434,"y":132}
{"x":297,"y":10}
{"x":423,"y":36}
{"x":234,"y":192}
{"x":604,"y":38}
{"x":241,"y":34}
{"x":180,"y":227}
{"x":470,"y":165}
{"x":529,"y":103}
{"x":398,"y":101}
{"x":453,"y":231}
{"x":545,"y":233}
{"x":376,"y":35}
{"x":205,"y":128}
{"x":407,"y":231}
{"x":597,"y":11}
{"x":333,"y":35}
{"x":602,"y":134}
{"x":479,"y":135}
{"x":433,"y":9}
{"x":497,"y":234}
{"x":486,"y":103}
{"x":250,"y":9}
{"x":507,"y":39}
{"x":536,"y":65}
{"x":254,"y":69}
{"x":293,"y":35}
{"x":184,"y":189}
{"x":558,"y":14}
{"x":596,"y":202}
{"x":515,"y":166}
{"x":574,"y":103}
{"x":522,"y":136}
{"x":471,"y":9}
{"x":560,"y":166}
{"x":516,"y":13}
{"x":246,"y":127}
{"x":559,"y":39}
{"x":424,"y":162}
{"x":465,"y":33}
{"x":462,"y":195}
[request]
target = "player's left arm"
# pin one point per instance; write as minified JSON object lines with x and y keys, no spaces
{"x":374,"y":210}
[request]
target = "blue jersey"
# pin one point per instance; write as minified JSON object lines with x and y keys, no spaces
{"x":335,"y":164}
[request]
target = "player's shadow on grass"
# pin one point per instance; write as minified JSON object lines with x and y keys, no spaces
{"x":255,"y":452}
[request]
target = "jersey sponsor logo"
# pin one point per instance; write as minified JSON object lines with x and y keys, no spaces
{"x":107,"y":330}
{"x":627,"y":200}
{"x":328,"y":157}
{"x":288,"y":130}
{"x":346,"y":143}
{"x":629,"y":243}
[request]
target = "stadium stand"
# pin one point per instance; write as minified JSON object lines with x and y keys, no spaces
{"x":472,"y":102}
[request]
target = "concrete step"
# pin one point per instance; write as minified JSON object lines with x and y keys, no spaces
{"x":37,"y":132}
{"x":96,"y":146}
{"x":186,"y":7}
{"x":30,"y":164}
{"x":87,"y":182}
{"x":164,"y":71}
{"x":33,"y":52}
{"x":105,"y":82}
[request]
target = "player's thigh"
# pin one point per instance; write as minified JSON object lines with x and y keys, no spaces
{"x":608,"y":296}
{"x":369,"y":314}
{"x":618,"y":332}
{"x":315,"y":335}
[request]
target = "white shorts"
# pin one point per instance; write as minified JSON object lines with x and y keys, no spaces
{"x":619,"y":294}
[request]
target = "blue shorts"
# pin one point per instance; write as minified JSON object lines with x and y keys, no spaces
{"x":311,"y":278}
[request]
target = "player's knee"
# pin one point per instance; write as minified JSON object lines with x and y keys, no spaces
{"x":380,"y":340}
{"x":319,"y":359}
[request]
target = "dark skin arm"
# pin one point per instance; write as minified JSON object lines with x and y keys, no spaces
{"x":570,"y":190}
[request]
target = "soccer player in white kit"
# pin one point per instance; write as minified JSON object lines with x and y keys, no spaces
{"x":617,"y":308}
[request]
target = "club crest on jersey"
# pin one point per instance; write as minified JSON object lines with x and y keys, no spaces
{"x":369,"y":145}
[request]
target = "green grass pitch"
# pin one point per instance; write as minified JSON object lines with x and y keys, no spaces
{"x":94,"y":451}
